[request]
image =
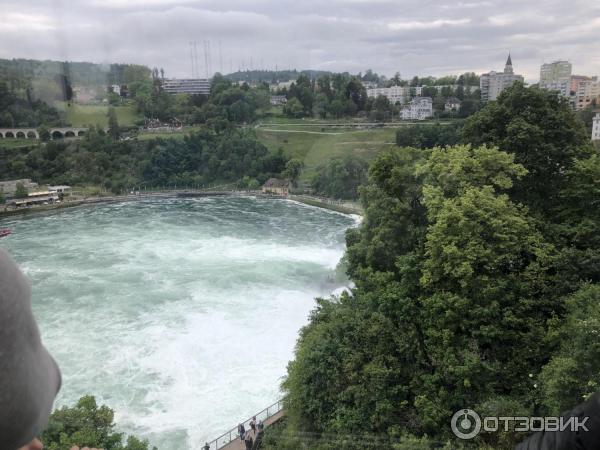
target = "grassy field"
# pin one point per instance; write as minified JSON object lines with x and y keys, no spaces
{"x":83,"y":115}
{"x":145,"y":136}
{"x":16,"y":143}
{"x":315,"y":148}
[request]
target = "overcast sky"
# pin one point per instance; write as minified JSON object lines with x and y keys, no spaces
{"x":414,"y":37}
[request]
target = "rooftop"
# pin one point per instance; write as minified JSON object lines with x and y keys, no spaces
{"x":276,"y":182}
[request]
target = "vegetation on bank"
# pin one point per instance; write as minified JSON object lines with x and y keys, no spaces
{"x":203,"y":157}
{"x":477,"y":272}
{"x":87,"y":425}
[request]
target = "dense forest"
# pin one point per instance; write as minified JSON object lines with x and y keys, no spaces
{"x":477,"y":271}
{"x":206,"y":156}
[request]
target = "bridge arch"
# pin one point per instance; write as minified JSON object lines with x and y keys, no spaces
{"x":9,"y":134}
{"x":81,"y":133}
{"x":31,"y":134}
{"x":21,"y":135}
{"x":69,"y":134}
{"x":56,"y":134}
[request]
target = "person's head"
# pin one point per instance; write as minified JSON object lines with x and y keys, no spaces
{"x":30,"y":378}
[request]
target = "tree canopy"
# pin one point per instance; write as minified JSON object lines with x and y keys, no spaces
{"x":473,"y":288}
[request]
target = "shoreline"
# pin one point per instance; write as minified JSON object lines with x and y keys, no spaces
{"x":329,"y":204}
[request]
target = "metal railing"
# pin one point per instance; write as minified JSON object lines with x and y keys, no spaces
{"x":232,"y":434}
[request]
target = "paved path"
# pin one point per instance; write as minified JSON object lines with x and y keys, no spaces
{"x":237,"y":444}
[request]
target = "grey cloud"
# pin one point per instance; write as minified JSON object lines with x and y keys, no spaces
{"x":411,"y":36}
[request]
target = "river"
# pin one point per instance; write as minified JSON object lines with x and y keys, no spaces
{"x":179,"y":314}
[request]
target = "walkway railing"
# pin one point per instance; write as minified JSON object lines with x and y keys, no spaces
{"x":232,"y":434}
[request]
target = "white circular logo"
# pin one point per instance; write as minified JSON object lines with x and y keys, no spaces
{"x":466,"y":424}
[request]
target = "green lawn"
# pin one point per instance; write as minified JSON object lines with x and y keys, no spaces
{"x":16,"y":143}
{"x":315,"y":148}
{"x":84,"y":115}
{"x":145,"y":136}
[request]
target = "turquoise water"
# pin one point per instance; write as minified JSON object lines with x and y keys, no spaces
{"x":181,"y":315}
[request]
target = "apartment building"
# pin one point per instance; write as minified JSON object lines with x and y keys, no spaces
{"x":556,"y":76}
{"x":395,"y":94}
{"x":187,"y":86}
{"x":493,"y":83}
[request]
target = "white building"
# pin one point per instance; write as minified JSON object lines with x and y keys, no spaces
{"x":556,"y":76}
{"x":277,"y":100}
{"x":596,"y":127}
{"x":420,"y":108}
{"x":60,"y":189}
{"x":452,"y":104}
{"x":493,"y":83}
{"x":395,"y":94}
{"x":187,"y":86}
{"x":281,"y":85}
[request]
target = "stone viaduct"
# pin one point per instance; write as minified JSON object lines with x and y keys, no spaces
{"x":32,"y":133}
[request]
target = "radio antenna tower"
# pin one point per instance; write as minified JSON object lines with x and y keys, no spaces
{"x":210,"y":66}
{"x":220,"y":58}
{"x":206,"y":57}
{"x":192,"y":59}
{"x":196,"y":59}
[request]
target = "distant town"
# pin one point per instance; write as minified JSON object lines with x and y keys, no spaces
{"x":581,"y":91}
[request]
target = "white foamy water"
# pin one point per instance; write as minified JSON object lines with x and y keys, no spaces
{"x":181,"y":315}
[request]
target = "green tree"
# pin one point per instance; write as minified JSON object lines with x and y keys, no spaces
{"x":86,"y":425}
{"x":336,"y":108}
{"x":321,"y":105}
{"x":292,"y":171}
{"x":455,"y":288}
{"x":573,"y":373}
{"x":294,"y":108}
{"x":7,"y":120}
{"x":539,"y":127}
{"x":113,"y":125}
{"x":341,"y":177}
{"x":21,"y":190}
{"x":44,"y":133}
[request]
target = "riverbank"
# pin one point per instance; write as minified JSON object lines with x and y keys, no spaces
{"x":343,"y":207}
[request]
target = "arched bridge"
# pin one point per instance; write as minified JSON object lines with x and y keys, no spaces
{"x":32,"y":133}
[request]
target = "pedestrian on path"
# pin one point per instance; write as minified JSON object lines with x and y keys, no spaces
{"x":248,"y":439}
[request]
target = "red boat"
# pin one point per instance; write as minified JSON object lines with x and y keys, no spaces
{"x":5,"y":232}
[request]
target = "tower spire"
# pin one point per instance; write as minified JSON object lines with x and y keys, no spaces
{"x":508,"y":68}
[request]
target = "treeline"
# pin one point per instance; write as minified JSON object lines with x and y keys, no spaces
{"x":19,"y":73}
{"x":272,"y":76}
{"x":227,"y":103}
{"x":49,"y":81}
{"x":206,"y":156}
{"x":25,"y":112}
{"x":340,"y":94}
{"x":477,"y":273}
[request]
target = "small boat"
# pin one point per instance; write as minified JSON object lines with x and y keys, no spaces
{"x":5,"y":232}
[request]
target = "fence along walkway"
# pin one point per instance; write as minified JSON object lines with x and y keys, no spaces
{"x":230,"y":439}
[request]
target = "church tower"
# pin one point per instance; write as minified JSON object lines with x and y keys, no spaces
{"x":508,"y":68}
